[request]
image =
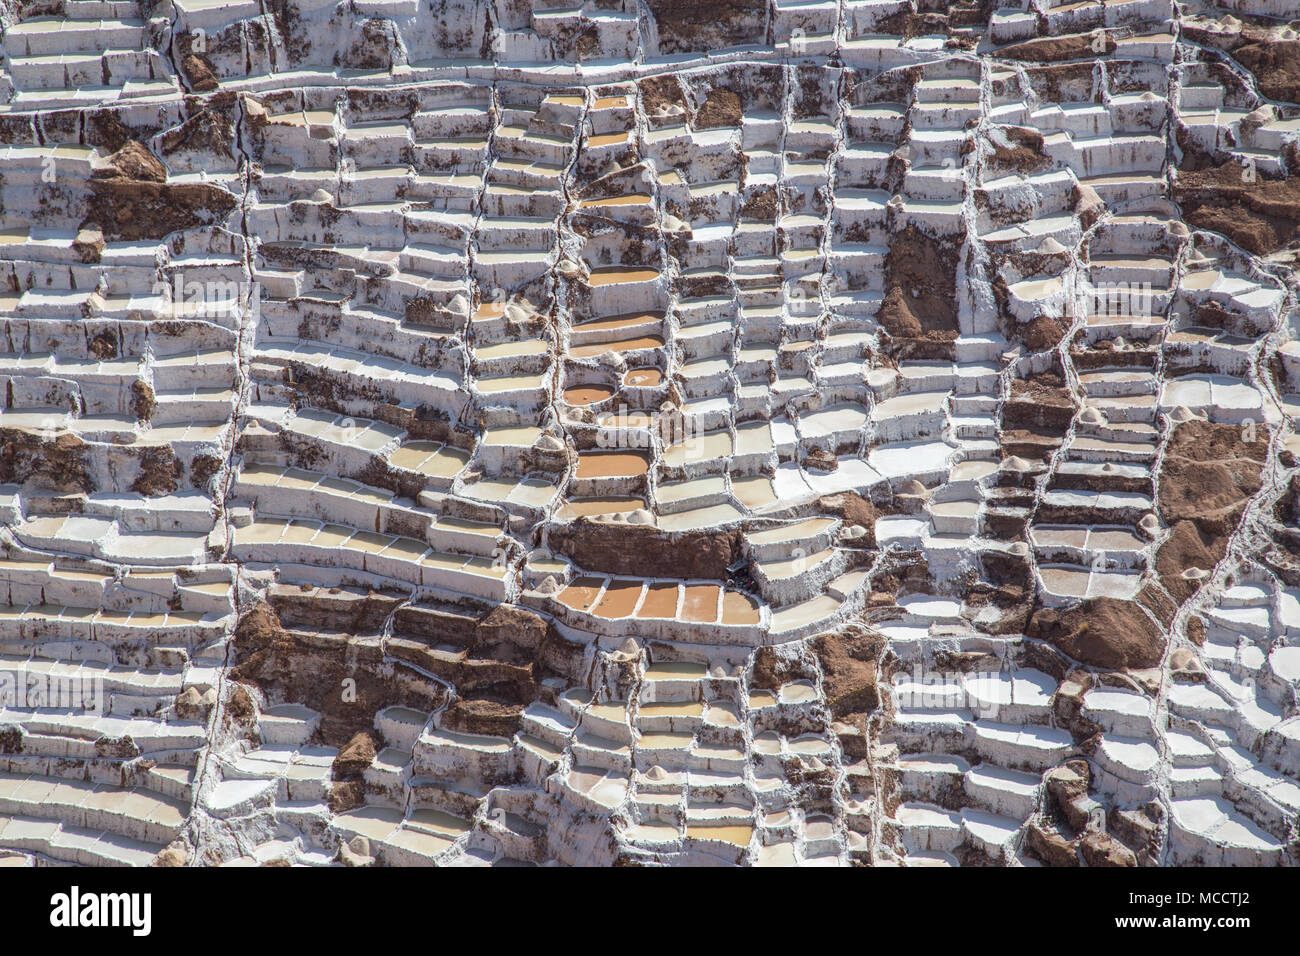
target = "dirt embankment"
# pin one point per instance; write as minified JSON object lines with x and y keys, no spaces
{"x":1041,"y":402}
{"x":1057,"y":49}
{"x":919,"y":310}
{"x":1102,"y":632}
{"x":1273,"y":60}
{"x":1260,"y":215}
{"x":1208,"y":474}
{"x":646,"y":551}
{"x":1017,"y":149}
{"x":47,"y":464}
{"x":849,"y":659}
{"x":131,"y":200}
{"x":686,"y":26}
{"x":721,"y":109}
{"x":317,"y":670}
{"x":304,"y":645}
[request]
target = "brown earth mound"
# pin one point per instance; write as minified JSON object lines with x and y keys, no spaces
{"x":853,"y":509}
{"x":1102,"y":632}
{"x":344,"y":678}
{"x":160,"y":472}
{"x":687,"y":26}
{"x":1056,"y":49}
{"x":848,"y":661}
{"x":131,"y":201}
{"x":646,"y":551}
{"x":199,"y":72}
{"x":1041,"y":402}
{"x":1018,"y":150}
{"x":47,"y":464}
{"x":771,"y":670}
{"x":491,"y":717}
{"x":920,"y":287}
{"x":133,"y":161}
{"x":1274,"y":62}
{"x":205,"y":131}
{"x":354,"y":757}
{"x":1276,"y":66}
{"x":1260,"y":215}
{"x":1208,"y":473}
{"x":720,"y":109}
{"x":1187,"y":547}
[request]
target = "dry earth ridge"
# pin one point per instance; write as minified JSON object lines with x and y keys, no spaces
{"x":474,"y":432}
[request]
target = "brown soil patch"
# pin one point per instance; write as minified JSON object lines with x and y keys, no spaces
{"x":1056,"y":49}
{"x":1102,"y":849}
{"x":1275,"y":63}
{"x":310,"y":669}
{"x":206,"y":131}
{"x":1261,"y":216}
{"x":133,"y":161}
{"x":687,"y":26}
{"x":354,"y":757}
{"x":1050,"y":846}
{"x":848,"y":661}
{"x":198,"y":71}
{"x":1276,"y":66}
{"x":130,"y":200}
{"x":103,"y":346}
{"x":56,"y":464}
{"x":771,"y":670}
{"x":202,"y":468}
{"x":142,"y":400}
{"x":1042,"y":403}
{"x":646,"y":552}
{"x":1208,"y":474}
{"x":920,"y":287}
{"x":346,"y":796}
{"x":160,"y":472}
{"x":660,"y":91}
{"x":1101,"y":632}
{"x":494,"y":718}
{"x":761,"y":206}
{"x":853,"y":509}
{"x":1042,"y":333}
{"x":1022,"y":151}
{"x":721,"y":108}
{"x":1187,"y":547}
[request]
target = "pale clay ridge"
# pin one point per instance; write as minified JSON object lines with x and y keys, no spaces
{"x":452,"y":334}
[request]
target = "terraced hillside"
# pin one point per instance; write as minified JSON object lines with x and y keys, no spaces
{"x":481,"y":432}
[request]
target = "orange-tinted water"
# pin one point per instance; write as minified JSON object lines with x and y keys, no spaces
{"x":660,"y":601}
{"x":623,"y":345}
{"x":616,"y":275}
{"x":587,"y":394}
{"x":619,"y":600}
{"x":581,"y":594}
{"x":701,"y":603}
{"x":612,"y":464}
{"x":738,"y":608}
